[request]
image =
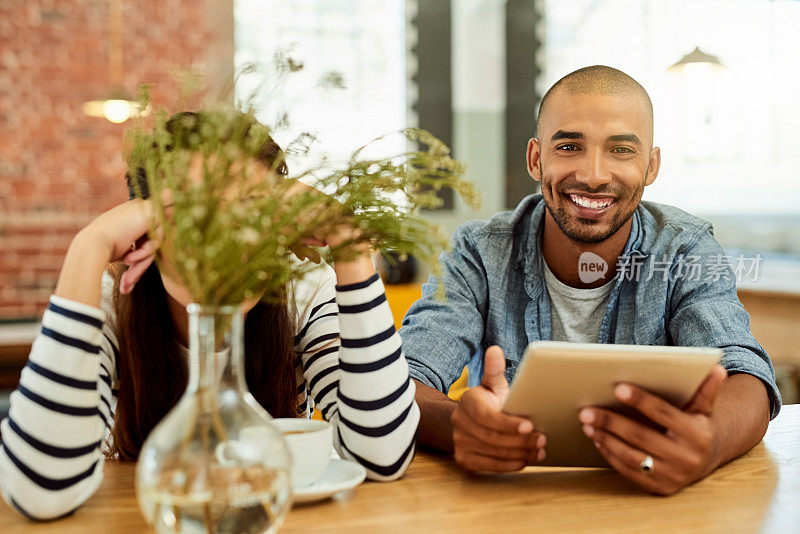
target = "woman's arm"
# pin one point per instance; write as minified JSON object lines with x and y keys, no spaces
{"x":110,"y":237}
{"x":51,"y":455}
{"x":360,"y":382}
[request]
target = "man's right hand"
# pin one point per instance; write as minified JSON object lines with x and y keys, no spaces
{"x":485,"y":438}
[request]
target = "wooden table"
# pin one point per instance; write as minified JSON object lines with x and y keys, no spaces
{"x":759,"y":492}
{"x":15,"y":345}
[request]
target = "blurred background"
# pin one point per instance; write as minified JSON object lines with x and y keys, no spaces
{"x":721,"y":73}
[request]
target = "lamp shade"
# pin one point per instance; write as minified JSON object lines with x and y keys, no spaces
{"x":697,"y":58}
{"x":117,"y":107}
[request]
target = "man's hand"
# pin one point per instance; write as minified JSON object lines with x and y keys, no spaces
{"x":485,"y":438}
{"x":685,"y":452}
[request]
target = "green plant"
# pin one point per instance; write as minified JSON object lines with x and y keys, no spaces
{"x":231,"y":227}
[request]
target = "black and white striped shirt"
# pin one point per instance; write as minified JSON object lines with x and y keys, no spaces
{"x":351,"y":364}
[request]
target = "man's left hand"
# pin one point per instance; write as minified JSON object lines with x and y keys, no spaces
{"x":685,"y":452}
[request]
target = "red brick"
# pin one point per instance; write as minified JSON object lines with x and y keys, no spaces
{"x":58,"y":168}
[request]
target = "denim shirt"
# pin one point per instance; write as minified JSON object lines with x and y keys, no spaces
{"x":674,"y":286}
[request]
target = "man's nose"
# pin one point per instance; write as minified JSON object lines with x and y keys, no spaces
{"x":593,"y":170}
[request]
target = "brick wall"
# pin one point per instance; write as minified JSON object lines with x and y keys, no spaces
{"x":59,"y":168}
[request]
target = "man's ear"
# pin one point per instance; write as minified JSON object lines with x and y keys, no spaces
{"x":534,"y":159}
{"x":653,"y":165}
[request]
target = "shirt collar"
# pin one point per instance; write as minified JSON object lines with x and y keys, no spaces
{"x":530,"y":254}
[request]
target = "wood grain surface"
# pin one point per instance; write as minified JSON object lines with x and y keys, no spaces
{"x":759,"y":492}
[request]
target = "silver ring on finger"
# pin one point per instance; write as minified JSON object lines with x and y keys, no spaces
{"x":646,"y":465}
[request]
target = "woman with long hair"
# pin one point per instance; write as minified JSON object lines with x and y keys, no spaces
{"x":110,"y":360}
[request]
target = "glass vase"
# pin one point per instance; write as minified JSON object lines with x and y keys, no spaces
{"x":215,"y":463}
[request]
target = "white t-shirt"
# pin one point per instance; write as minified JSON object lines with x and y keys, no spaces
{"x":576,"y":314}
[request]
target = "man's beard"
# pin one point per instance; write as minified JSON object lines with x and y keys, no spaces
{"x":586,"y":231}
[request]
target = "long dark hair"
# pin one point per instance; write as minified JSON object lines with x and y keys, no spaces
{"x":152,"y":370}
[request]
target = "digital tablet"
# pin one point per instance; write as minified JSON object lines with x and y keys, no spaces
{"x":556,"y":379}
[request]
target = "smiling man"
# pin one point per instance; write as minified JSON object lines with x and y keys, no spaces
{"x":588,"y":261}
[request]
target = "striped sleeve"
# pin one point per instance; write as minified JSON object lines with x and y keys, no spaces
{"x":358,"y":376}
{"x":51,"y":457}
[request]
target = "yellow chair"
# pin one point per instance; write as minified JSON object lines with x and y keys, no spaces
{"x":401,"y":297}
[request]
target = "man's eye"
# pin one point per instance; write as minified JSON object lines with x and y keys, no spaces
{"x":622,"y":150}
{"x":568,"y":147}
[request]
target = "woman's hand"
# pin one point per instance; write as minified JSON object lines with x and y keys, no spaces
{"x":355,"y":264}
{"x":332,"y":238}
{"x":119,"y":234}
{"x":117,"y":230}
{"x":122,"y":233}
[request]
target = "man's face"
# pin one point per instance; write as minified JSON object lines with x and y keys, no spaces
{"x":593,"y":157}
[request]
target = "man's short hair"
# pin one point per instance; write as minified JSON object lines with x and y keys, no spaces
{"x":596,"y":80}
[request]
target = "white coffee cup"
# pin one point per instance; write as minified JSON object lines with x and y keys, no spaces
{"x":310,"y":443}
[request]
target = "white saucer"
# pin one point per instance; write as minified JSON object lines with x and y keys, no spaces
{"x":340,"y":475}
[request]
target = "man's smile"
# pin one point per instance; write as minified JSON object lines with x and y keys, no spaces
{"x":592,"y":207}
